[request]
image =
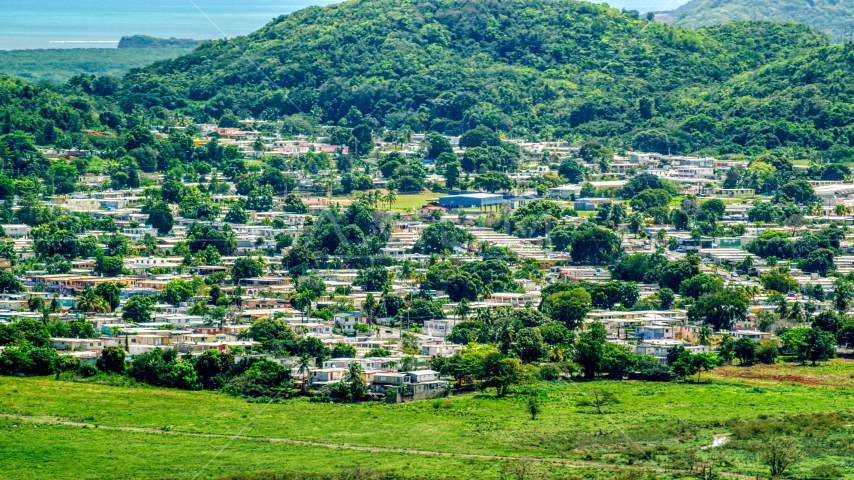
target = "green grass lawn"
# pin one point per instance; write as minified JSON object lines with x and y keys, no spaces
{"x":408,"y":202}
{"x":653,"y":426}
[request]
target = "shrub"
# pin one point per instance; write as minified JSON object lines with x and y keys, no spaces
{"x":263,"y":378}
{"x":549,"y":372}
{"x":87,"y":370}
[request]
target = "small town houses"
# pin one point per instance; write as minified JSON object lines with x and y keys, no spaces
{"x":152,"y":262}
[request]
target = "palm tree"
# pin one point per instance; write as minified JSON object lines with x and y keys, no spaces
{"x":752,"y":290}
{"x":88,"y":301}
{"x":304,"y":368}
{"x":636,"y":222}
{"x":390,"y":198}
{"x":463,"y":309}
{"x":704,"y":336}
{"x":842,"y":294}
{"x":782,"y":309}
{"x":558,"y":353}
{"x":660,"y":236}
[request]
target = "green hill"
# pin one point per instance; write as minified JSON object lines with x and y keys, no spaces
{"x":535,"y":68}
{"x":144,"y":41}
{"x":60,"y":64}
{"x":540,"y":69}
{"x":831,"y":16}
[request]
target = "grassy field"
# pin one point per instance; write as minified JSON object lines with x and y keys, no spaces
{"x":408,"y":202}
{"x":655,"y":426}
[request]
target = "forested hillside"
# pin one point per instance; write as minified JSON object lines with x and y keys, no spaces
{"x":45,"y":116}
{"x":537,"y":69}
{"x":144,"y":41}
{"x":60,"y":64}
{"x":831,"y":16}
{"x":533,"y":68}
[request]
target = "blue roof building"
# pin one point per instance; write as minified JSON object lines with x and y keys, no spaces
{"x":468,"y":200}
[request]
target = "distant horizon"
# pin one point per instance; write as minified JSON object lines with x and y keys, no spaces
{"x":52,"y":24}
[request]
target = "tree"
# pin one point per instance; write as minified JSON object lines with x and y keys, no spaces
{"x":561,"y":237}
{"x":649,"y":199}
{"x":177,"y":291}
{"x":767,"y":352}
{"x":683,"y":366}
{"x":372,"y":279}
{"x":9,"y":283}
{"x":480,"y":136}
{"x":572,"y":171}
{"x":112,"y":360}
{"x":598,"y":399}
{"x":184,"y":376}
{"x":590,"y":349}
{"x":780,"y":453}
{"x":25,"y":331}
{"x":294,"y":204}
{"x":138,"y":309}
{"x":568,"y":307}
{"x":744,"y":349}
{"x":493,"y":182}
{"x":704,"y":335}
{"x":843,"y":294}
{"x":357,"y":382}
{"x":779,"y":279}
{"x":665,"y":298}
{"x":35,"y":304}
{"x":819,"y":345}
{"x":246,"y":267}
{"x":533,"y":406}
{"x":820,"y":260}
{"x":529,"y":345}
{"x":595,"y":246}
{"x":703,"y":362}
{"x":672,"y":274}
{"x":699,"y":285}
{"x":680,"y":220}
{"x":88,"y":301}
{"x":500,"y":372}
{"x":304,"y":365}
{"x":110,"y":292}
{"x":160,"y":217}
{"x":720,"y":310}
{"x":452,"y":174}
{"x":272,"y":334}
{"x":801,"y":191}
{"x":441,"y":236}
{"x":109,"y":266}
{"x":435,"y":145}
{"x":236,"y":214}
{"x":343,"y":350}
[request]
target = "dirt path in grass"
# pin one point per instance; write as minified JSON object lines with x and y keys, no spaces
{"x":771,"y":375}
{"x":562,"y":461}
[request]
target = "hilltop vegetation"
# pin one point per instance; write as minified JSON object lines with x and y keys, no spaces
{"x":144,"y":41}
{"x":537,"y":69}
{"x":530,"y":68}
{"x":831,"y":16}
{"x":60,"y":64}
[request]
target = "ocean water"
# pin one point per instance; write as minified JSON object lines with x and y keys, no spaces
{"x":26,"y":24}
